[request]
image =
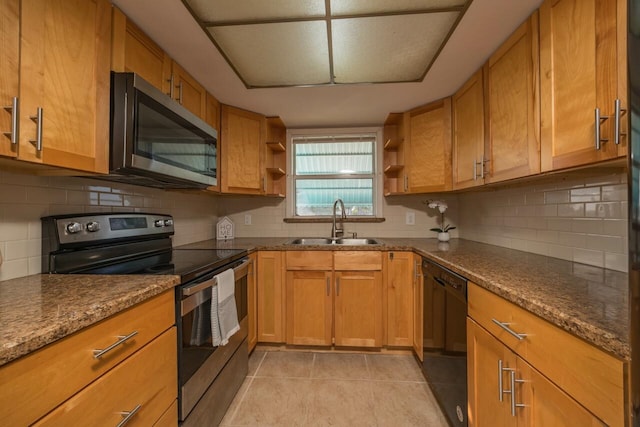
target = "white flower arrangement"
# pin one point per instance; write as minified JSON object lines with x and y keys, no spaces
{"x":442,"y":206}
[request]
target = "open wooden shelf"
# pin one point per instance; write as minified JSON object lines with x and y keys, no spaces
{"x":276,"y":146}
{"x":276,"y":171}
{"x":393,"y":169}
{"x":392,"y":144}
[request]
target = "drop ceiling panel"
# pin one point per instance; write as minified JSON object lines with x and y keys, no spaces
{"x":277,"y":54}
{"x":210,"y":11}
{"x":387,"y":48}
{"x":357,"y":7}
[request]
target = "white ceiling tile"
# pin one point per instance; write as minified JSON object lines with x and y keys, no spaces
{"x":389,"y":48}
{"x":277,"y":54}
{"x":356,"y":7}
{"x":245,"y":10}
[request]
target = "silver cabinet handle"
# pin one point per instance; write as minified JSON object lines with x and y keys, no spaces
{"x":619,"y":112}
{"x":13,"y":108}
{"x":475,"y":170}
{"x":482,"y":166}
{"x":180,"y":93}
{"x":338,"y":287}
{"x":328,"y":287}
{"x":500,"y":389}
{"x":97,"y":354}
{"x":506,"y":327}
{"x":170,"y":80}
{"x":406,"y":182}
{"x":598,"y":121}
{"x":38,"y":121}
{"x":513,"y":382}
{"x":128,"y":415}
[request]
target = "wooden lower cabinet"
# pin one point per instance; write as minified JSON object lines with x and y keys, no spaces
{"x":504,"y":390}
{"x":399,"y":271}
{"x":358,"y":308}
{"x":145,"y":383}
{"x":418,"y":302}
{"x":309,"y":307}
{"x":270,"y":297}
{"x":252,"y":304}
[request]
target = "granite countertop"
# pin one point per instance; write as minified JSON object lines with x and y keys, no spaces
{"x":589,"y":302}
{"x":40,"y":309}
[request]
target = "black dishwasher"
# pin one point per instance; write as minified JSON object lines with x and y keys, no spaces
{"x":445,"y":339}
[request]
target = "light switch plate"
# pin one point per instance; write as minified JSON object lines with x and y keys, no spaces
{"x":410,"y":218}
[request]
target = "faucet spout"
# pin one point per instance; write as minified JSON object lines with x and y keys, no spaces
{"x":337,"y":230}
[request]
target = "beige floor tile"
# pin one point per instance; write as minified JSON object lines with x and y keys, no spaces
{"x":286,"y":364}
{"x":274,"y":402}
{"x":393,"y":368}
{"x":405,"y":404}
{"x":341,"y":403}
{"x":340,"y":366}
{"x":254,"y":361}
{"x":235,"y":403}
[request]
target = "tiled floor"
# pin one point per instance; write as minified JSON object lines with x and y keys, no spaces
{"x":286,"y":388}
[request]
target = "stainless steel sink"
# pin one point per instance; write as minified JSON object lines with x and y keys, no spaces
{"x":327,"y":241}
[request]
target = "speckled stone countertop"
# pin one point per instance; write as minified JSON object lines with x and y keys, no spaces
{"x":589,"y":302}
{"x":40,"y":309}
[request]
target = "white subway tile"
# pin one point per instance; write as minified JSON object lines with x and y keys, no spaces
{"x":616,"y":193}
{"x":42,"y":195}
{"x":588,"y":194}
{"x":13,"y":269}
{"x":555,"y":197}
{"x":587,"y":225}
{"x":585,"y":256}
{"x":109,"y":199}
{"x":16,"y":249}
{"x":619,"y":262}
{"x":571,"y":210}
{"x":534,"y":198}
{"x":605,"y":243}
{"x":615,"y":227}
{"x":603,"y":210}
{"x":13,"y":193}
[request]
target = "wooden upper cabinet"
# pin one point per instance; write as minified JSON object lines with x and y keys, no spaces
{"x":240,"y":144}
{"x":468,"y":133}
{"x":579,"y":74}
{"x":513,"y":107}
{"x":393,"y":159}
{"x":64,"y":80}
{"x":276,"y":157}
{"x":133,"y":51}
{"x":9,"y":70}
{"x":187,"y":91}
{"x":428,"y":152}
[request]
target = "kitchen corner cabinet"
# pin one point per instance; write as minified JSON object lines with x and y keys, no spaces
{"x":64,"y":79}
{"x":418,"y":302}
{"x":9,"y":70}
{"x":66,"y":382}
{"x":539,"y":378}
{"x":276,"y":158}
{"x":399,"y":270}
{"x":428,"y":152}
{"x":271,"y":297}
{"x":252,"y":303}
{"x":579,"y":76}
{"x":241,"y":147}
{"x":393,"y":158}
{"x":512,"y":105}
{"x":468,"y":134}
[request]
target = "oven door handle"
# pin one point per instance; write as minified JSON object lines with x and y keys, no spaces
{"x":239,"y":272}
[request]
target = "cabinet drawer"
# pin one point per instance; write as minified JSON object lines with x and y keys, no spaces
{"x":357,"y":260}
{"x":591,"y":376}
{"x":148,"y":380}
{"x":35,"y":384}
{"x":170,"y":416}
{"x":309,"y":260}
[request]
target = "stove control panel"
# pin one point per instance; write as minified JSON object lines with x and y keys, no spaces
{"x":73,"y":229}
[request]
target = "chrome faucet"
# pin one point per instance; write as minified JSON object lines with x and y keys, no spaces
{"x":338,"y":230}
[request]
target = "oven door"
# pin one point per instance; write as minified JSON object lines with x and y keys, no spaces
{"x":199,"y":362}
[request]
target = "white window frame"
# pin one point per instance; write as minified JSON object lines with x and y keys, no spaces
{"x":377,"y":180}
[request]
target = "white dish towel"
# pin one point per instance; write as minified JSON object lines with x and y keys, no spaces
{"x":224,"y":315}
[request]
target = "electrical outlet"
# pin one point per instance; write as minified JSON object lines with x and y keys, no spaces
{"x":410,"y":218}
{"x":247,"y":219}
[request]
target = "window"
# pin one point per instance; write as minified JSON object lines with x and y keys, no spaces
{"x":330,"y":167}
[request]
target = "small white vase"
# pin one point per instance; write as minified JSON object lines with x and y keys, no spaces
{"x":444,"y":237}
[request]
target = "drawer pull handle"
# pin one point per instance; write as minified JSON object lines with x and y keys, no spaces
{"x":128,"y":415}
{"x":97,"y":354}
{"x":514,"y":405}
{"x":501,"y":390}
{"x":506,"y":327}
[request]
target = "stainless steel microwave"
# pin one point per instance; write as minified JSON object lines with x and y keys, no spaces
{"x":155,"y":141}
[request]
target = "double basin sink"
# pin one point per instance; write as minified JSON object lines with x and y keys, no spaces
{"x":337,"y":241}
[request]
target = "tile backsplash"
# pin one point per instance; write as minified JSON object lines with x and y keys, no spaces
{"x":26,"y":198}
{"x":576,"y":217}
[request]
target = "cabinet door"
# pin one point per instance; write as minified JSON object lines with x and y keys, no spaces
{"x":429,"y":138}
{"x":241,"y":149}
{"x":9,"y":63}
{"x":188,"y":92}
{"x":418,"y":295}
{"x":270,"y":297}
{"x":64,"y":73}
{"x":133,"y":51}
{"x":393,"y":158}
{"x":252,"y":303}
{"x":309,"y":307}
{"x":276,"y":157}
{"x":485,"y":380}
{"x":399,"y":288}
{"x":578,"y":73}
{"x":468,"y":133}
{"x":545,"y":404}
{"x":513,"y":105}
{"x":358,"y":308}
